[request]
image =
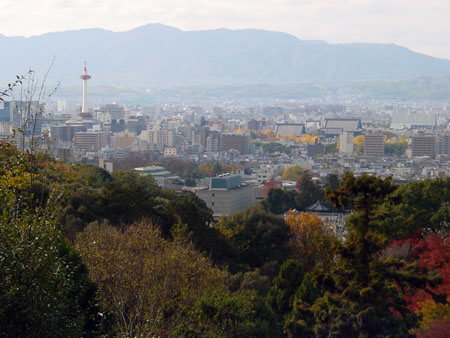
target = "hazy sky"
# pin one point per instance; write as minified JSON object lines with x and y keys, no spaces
{"x":421,"y":25}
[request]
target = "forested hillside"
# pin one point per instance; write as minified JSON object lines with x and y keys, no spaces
{"x":156,"y":54}
{"x":85,"y":253}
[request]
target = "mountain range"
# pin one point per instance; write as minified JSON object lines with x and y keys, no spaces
{"x":156,"y":54}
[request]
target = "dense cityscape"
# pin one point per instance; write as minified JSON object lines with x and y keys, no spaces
{"x":260,"y":143}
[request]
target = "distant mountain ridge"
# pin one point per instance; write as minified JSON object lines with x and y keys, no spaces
{"x":161,"y":55}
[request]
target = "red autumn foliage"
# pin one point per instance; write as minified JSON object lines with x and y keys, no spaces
{"x":433,"y":254}
{"x":269,"y":185}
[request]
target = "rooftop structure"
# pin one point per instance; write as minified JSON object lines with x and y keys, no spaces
{"x":338,"y":126}
{"x":318,"y":207}
{"x":225,"y":182}
{"x":413,"y":120}
{"x":155,"y":171}
{"x":163,"y":177}
{"x":334,"y":218}
{"x":289,"y":129}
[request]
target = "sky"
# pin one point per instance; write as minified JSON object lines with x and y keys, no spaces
{"x":421,"y":25}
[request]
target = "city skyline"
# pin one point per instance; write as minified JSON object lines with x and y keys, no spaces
{"x":420,"y":26}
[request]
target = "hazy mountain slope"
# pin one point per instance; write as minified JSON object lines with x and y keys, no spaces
{"x":157,"y":54}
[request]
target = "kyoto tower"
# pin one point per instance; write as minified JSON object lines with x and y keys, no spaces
{"x":84,"y":109}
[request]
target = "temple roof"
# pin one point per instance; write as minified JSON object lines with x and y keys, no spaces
{"x":318,"y":207}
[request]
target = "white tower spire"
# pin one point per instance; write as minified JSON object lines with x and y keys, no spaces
{"x":84,"y":76}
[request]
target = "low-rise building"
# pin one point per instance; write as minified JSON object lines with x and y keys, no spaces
{"x":163,"y":177}
{"x":226,"y":195}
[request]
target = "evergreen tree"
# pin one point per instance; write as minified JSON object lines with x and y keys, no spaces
{"x":362,"y":295}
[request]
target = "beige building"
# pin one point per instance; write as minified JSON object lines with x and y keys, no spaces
{"x":159,"y":138}
{"x":90,"y":140}
{"x":226,"y":195}
{"x":346,"y":145}
{"x":124,"y":140}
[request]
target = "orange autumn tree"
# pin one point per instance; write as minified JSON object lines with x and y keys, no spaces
{"x":271,"y":184}
{"x":311,"y":241}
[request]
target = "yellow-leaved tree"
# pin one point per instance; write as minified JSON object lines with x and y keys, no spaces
{"x":292,"y":173}
{"x":431,"y":313}
{"x":151,"y":284}
{"x":358,"y":141}
{"x":311,"y":241}
{"x":309,"y":139}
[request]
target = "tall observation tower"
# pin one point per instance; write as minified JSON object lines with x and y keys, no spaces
{"x":85,"y":114}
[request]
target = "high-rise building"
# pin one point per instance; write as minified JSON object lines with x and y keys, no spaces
{"x":374,"y":144}
{"x":90,"y":140}
{"x":423,"y":145}
{"x":115,"y":111}
{"x":65,"y":133}
{"x":444,"y":144}
{"x":159,"y":138}
{"x":26,"y":115}
{"x":231,"y":141}
{"x":213,"y":142}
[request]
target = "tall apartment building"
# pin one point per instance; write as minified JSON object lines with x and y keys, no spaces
{"x":90,"y":140}
{"x":114,"y":110}
{"x":374,"y":144}
{"x":213,"y":142}
{"x":160,"y":138}
{"x":27,"y":115}
{"x":238,"y":142}
{"x":444,"y":144}
{"x":256,"y":124}
{"x":65,"y":133}
{"x":423,"y":145}
{"x":200,"y":135}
